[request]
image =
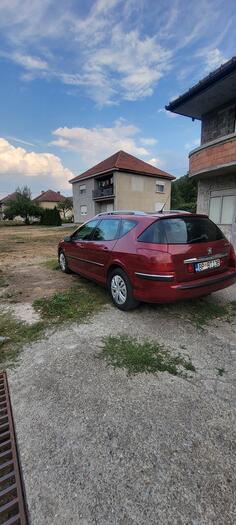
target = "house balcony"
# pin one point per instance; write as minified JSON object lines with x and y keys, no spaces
{"x":103,"y":193}
{"x":214,"y":158}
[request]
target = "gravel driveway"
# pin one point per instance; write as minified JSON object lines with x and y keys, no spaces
{"x":99,"y":447}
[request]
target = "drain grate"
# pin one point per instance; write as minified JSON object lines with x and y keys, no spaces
{"x":12,"y":502}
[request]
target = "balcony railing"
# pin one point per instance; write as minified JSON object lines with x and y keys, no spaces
{"x":103,"y":193}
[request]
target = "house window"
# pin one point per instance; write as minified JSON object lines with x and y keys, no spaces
{"x":222,"y":209}
{"x":83,"y":210}
{"x":160,"y":187}
{"x":82,"y":189}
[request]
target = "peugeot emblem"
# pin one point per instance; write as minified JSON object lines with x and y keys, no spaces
{"x":209,"y":251}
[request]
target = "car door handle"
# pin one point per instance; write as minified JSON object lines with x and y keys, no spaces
{"x":105,"y":248}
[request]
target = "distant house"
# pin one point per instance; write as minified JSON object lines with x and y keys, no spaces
{"x":213,"y":163}
{"x":50,"y":199}
{"x":120,"y":182}
{"x":4,"y":202}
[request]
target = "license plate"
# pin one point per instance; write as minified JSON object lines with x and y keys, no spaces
{"x":207,"y":265}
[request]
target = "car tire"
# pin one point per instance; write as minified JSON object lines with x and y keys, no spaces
{"x":63,"y":262}
{"x":121,"y":291}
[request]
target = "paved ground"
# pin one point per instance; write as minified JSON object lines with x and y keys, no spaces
{"x":99,"y":447}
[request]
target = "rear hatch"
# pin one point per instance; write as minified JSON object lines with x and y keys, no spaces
{"x":197,"y":246}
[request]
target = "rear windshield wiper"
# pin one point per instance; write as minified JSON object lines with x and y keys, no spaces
{"x":197,"y":239}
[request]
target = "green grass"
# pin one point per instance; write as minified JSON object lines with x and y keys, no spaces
{"x":4,"y":282}
{"x":51,"y":264}
{"x":19,"y":334}
{"x":220,"y":371}
{"x":72,"y":305}
{"x":201,"y":312}
{"x":127,"y":352}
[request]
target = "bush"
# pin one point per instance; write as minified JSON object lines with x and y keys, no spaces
{"x":50,"y":217}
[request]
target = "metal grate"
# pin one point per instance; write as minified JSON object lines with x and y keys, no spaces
{"x":12,"y":502}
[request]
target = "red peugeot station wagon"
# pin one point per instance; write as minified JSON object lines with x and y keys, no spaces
{"x":157,"y":257}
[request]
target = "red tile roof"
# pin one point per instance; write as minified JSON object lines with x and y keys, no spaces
{"x":122,"y":161}
{"x":8,"y":198}
{"x":50,"y":196}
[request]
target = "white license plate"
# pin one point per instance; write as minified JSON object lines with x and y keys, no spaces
{"x":207,"y":265}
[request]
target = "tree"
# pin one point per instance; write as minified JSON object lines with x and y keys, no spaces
{"x":184,"y":194}
{"x":50,"y":217}
{"x":65,"y":206}
{"x":22,"y":205}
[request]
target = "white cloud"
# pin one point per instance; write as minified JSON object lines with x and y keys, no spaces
{"x":29,"y":62}
{"x":214,"y":59}
{"x":21,"y":141}
{"x":16,"y":161}
{"x":193,"y":144}
{"x":169,"y":114}
{"x":154,"y":161}
{"x":114,"y":50}
{"x":149,"y":141}
{"x":128,"y":64}
{"x":95,"y":144}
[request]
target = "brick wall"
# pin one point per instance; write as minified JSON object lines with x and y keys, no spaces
{"x":213,"y":156}
{"x":218,"y":123}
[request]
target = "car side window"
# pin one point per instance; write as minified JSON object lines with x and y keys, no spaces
{"x":107,"y":230}
{"x":154,"y":234}
{"x":84,"y":233}
{"x":126,"y":226}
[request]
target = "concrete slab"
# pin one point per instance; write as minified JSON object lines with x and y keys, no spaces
{"x":99,"y":447}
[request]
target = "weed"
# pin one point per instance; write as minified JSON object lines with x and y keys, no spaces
{"x":73,"y":304}
{"x":3,"y":280}
{"x":136,"y":357}
{"x":17,"y":334}
{"x":200,"y":312}
{"x":220,"y":371}
{"x":51,"y":264}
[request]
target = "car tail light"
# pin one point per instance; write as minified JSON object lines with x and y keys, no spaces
{"x":232,"y":257}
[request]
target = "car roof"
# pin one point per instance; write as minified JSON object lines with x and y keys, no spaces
{"x":129,"y":214}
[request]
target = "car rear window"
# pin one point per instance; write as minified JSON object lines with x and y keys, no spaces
{"x":182,"y":230}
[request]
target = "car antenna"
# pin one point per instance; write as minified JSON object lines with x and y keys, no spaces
{"x":162,"y":209}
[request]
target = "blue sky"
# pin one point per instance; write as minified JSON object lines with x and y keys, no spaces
{"x":81,"y":80}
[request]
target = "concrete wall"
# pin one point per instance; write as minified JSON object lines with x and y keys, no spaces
{"x":218,"y":123}
{"x":48,"y":205}
{"x":221,"y":184}
{"x":83,"y":200}
{"x":139,"y":192}
{"x":131,"y":192}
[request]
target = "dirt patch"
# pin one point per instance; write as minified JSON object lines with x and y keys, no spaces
{"x":23,"y":250}
{"x":34,"y":281}
{"x":22,"y":312}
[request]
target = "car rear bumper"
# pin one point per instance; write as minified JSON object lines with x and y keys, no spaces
{"x":168,"y":291}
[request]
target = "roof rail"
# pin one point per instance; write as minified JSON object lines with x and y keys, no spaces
{"x":170,"y":211}
{"x":122,"y":212}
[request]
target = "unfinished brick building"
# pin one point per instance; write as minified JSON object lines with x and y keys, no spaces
{"x":213,"y":163}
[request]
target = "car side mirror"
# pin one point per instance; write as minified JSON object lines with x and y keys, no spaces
{"x":67,"y":238}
